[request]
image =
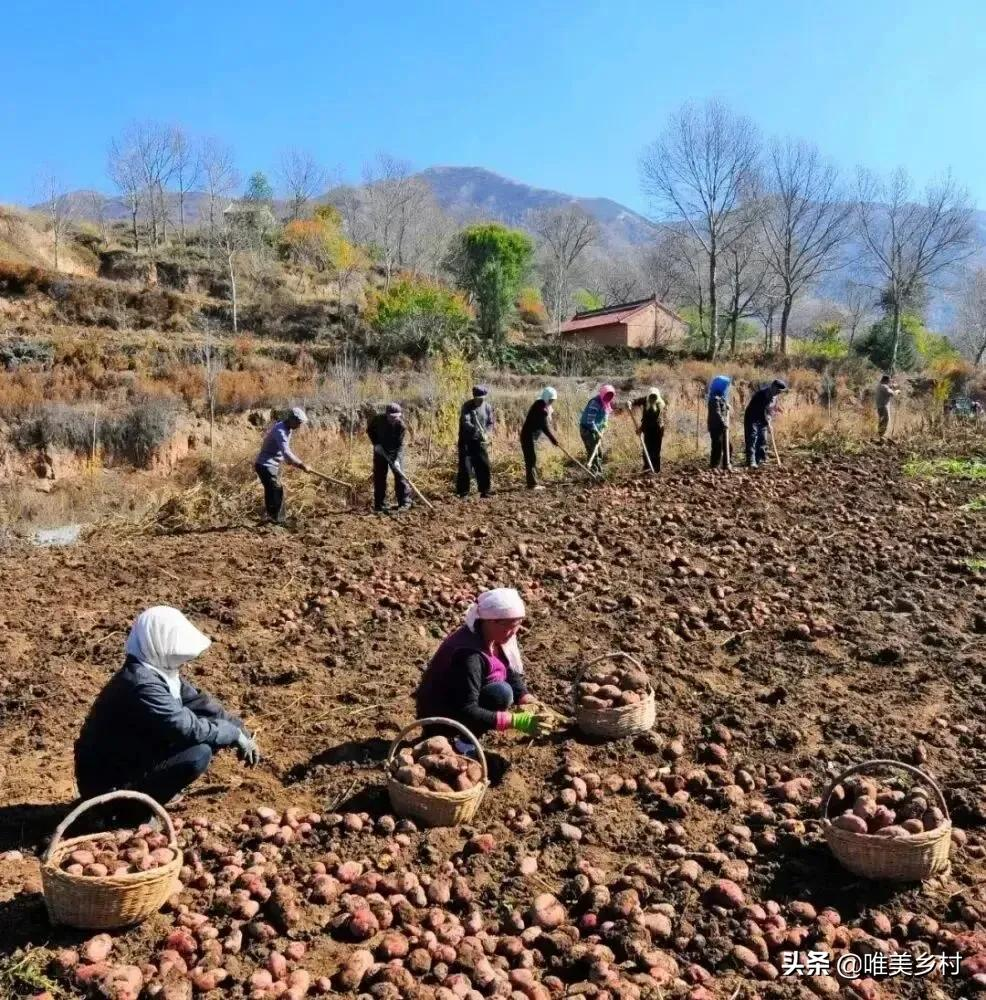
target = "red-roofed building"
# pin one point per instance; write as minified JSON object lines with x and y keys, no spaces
{"x":646,"y":323}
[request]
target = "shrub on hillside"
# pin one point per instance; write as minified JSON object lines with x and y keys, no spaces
{"x":530,"y":308}
{"x":416,"y":318}
{"x":22,"y":279}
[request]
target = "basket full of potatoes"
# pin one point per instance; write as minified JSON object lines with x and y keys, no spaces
{"x":431,"y":781}
{"x":882,"y":831}
{"x":614,"y":697}
{"x":109,"y":880}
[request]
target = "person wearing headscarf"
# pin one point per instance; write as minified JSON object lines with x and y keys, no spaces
{"x":275,"y":450}
{"x":885,"y":395}
{"x":537,"y":423}
{"x":387,"y":432}
{"x":756,"y":421}
{"x":594,"y":420}
{"x":149,"y":730}
{"x":652,"y":407}
{"x":718,"y":421}
{"x":476,"y":422}
{"x":476,"y":675}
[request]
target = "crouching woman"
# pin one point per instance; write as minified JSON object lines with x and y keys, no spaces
{"x":149,"y":730}
{"x":476,"y":676}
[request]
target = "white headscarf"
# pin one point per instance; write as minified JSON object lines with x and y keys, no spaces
{"x":163,"y":639}
{"x":504,"y":602}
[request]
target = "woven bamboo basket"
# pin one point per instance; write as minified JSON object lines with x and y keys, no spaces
{"x":435,"y":808}
{"x":909,"y":859}
{"x":94,"y":903}
{"x":624,"y":720}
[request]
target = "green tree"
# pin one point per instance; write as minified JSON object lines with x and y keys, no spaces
{"x":417,"y":318}
{"x":490,"y":263}
{"x":586,"y":301}
{"x":878,"y":345}
{"x":258,"y":188}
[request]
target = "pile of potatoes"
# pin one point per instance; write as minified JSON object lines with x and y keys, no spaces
{"x":605,"y":686}
{"x":860,"y":805}
{"x":434,"y":766}
{"x":124,"y":852}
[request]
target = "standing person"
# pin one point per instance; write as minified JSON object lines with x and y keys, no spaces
{"x":276,"y":449}
{"x":592,"y":425}
{"x":756,"y":421}
{"x":476,"y":422}
{"x":149,"y":730}
{"x":536,"y":423}
{"x":885,"y":393}
{"x":652,"y":426}
{"x":387,"y":432}
{"x":718,"y":421}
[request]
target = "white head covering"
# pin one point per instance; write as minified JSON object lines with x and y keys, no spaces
{"x":549,"y":393}
{"x":163,"y":639}
{"x":299,"y":414}
{"x":504,"y":602}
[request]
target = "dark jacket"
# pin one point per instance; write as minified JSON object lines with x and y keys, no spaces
{"x":651,"y":417}
{"x":718,"y":416}
{"x":451,"y":683}
{"x":135,"y":723}
{"x":475,"y":421}
{"x":757,"y":408}
{"x":387,"y":434}
{"x":536,"y":423}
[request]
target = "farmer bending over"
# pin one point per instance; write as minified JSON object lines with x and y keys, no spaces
{"x":652,"y":426}
{"x":475,"y":427}
{"x":757,"y":419}
{"x":476,"y":676}
{"x":537,"y":422}
{"x":275,"y":450}
{"x":149,"y":730}
{"x":387,"y":432}
{"x":593,"y":423}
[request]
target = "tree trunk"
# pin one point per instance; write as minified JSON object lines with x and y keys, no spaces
{"x":232,"y":282}
{"x":895,"y":344}
{"x":713,"y":309}
{"x":980,"y":353}
{"x":181,"y":215}
{"x":785,"y":316}
{"x":133,"y":220}
{"x":733,"y":324}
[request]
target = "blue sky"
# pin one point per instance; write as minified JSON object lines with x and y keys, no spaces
{"x":561,"y":95}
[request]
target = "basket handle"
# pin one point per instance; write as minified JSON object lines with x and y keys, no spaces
{"x":421,"y":723}
{"x":99,"y":800}
{"x":923,"y":775}
{"x":618,"y":654}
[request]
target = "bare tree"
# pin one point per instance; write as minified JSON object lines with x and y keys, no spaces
{"x":302,"y":179}
{"x":661,"y":266}
{"x":620,"y":278}
{"x":971,"y":318}
{"x":187,"y":171}
{"x":211,"y":364}
{"x":125,"y":172}
{"x":97,"y":207}
{"x":234,"y":235}
{"x":858,"y":306}
{"x":153,"y":145}
{"x":57,"y":208}
{"x":220,"y":178}
{"x":909,"y":244}
{"x":746,"y":270}
{"x":699,"y":172}
{"x":564,"y":233}
{"x":806,"y":221}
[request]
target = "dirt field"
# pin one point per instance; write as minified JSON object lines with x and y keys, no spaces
{"x":794,"y":621}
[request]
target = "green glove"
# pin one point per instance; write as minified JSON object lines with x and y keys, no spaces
{"x":523,"y":722}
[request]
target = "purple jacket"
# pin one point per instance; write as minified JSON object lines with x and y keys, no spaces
{"x":454,"y":678}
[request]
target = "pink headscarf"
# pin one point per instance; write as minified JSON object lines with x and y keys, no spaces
{"x":606,"y":396}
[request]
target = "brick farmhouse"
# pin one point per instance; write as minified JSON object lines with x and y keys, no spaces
{"x":645,"y":323}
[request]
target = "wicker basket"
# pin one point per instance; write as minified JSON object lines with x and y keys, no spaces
{"x":624,"y":720}
{"x":435,"y":808}
{"x":909,"y":859}
{"x":95,"y":903}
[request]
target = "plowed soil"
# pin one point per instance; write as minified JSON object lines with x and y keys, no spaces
{"x":823,"y":613}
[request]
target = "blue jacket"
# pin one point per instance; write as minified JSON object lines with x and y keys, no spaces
{"x":594,"y":416}
{"x":136,"y":722}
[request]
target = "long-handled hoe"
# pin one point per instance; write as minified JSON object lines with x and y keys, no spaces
{"x":640,"y":434}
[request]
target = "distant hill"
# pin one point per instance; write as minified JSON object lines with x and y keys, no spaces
{"x":469,"y":193}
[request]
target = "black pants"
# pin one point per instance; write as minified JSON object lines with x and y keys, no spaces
{"x":755,"y":435}
{"x":273,"y":492}
{"x":719,"y":439}
{"x":653,"y":440}
{"x":380,"y":469}
{"x":474,"y":459}
{"x":528,"y":447}
{"x":162,"y":782}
